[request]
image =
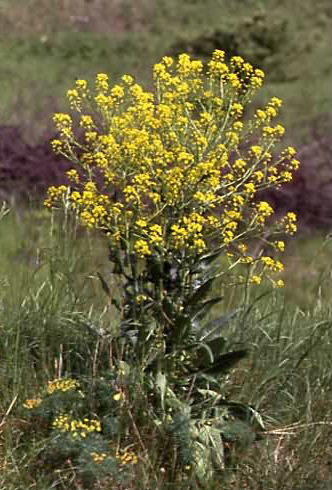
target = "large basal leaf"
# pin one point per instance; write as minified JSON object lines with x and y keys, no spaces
{"x":211,"y":330}
{"x":203,"y":469}
{"x":214,"y":439}
{"x":107,"y":291}
{"x":208,"y":352}
{"x":223,"y":363}
{"x":209,"y":453}
{"x":180,"y":428}
{"x":181,"y":329}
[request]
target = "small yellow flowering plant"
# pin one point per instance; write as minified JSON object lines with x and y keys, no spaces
{"x":173,"y":178}
{"x":63,"y":410}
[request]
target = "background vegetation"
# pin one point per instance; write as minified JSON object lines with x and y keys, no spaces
{"x":54,"y":317}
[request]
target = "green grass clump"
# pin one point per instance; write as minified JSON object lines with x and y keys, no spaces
{"x":48,"y":331}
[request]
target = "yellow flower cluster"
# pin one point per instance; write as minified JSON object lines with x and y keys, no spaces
{"x":62,"y":384}
{"x":280,"y":245}
{"x":55,"y":194}
{"x":142,"y":249}
{"x":77,"y":428}
{"x":98,"y":457}
{"x":32,"y":403}
{"x":290,"y":220}
{"x":126,"y":457}
{"x":256,"y":279}
{"x":189,"y":232}
{"x":264,"y":210}
{"x":270,"y":263}
{"x":164,"y":172}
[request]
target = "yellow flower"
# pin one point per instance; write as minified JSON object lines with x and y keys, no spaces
{"x":117,"y":92}
{"x":142,"y":223}
{"x":272,"y":264}
{"x":234,"y":80}
{"x":102,"y":82}
{"x":76,"y":427}
{"x":127,"y":457}
{"x":256,"y":279}
{"x":81,"y":85}
{"x":280,"y":245}
{"x":73,"y":175}
{"x":141,"y":247}
{"x":276,"y":101}
{"x":86,"y":122}
{"x":98,"y":457}
{"x":236,"y":109}
{"x":62,"y":384}
{"x":140,"y":298}
{"x":128,"y":79}
{"x":260,"y":115}
{"x":57,"y":146}
{"x":256,"y":150}
{"x":32,"y":403}
{"x":250,"y":188}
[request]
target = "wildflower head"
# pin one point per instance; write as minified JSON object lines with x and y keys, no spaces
{"x":170,"y":156}
{"x":62,"y":384}
{"x":32,"y":403}
{"x":127,"y":457}
{"x":77,"y":428}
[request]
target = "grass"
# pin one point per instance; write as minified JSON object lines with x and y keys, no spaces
{"x":44,"y":54}
{"x":55,"y":321}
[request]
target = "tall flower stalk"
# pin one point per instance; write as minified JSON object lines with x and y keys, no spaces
{"x":173,"y":178}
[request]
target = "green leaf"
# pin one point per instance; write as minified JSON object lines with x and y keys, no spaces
{"x":216,"y":346}
{"x":161,"y":383}
{"x":216,"y":446}
{"x":223,"y":363}
{"x":212,"y":328}
{"x":104,"y":284}
{"x":209,"y":452}
{"x":202,"y":309}
{"x":206,"y":260}
{"x":207,"y":352}
{"x":200,"y":292}
{"x":213,"y":395}
{"x":169,"y":308}
{"x":107,"y":291}
{"x":202,"y":468}
{"x":181,"y":328}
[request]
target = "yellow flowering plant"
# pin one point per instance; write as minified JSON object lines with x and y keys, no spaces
{"x":82,"y":430}
{"x":173,"y":179}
